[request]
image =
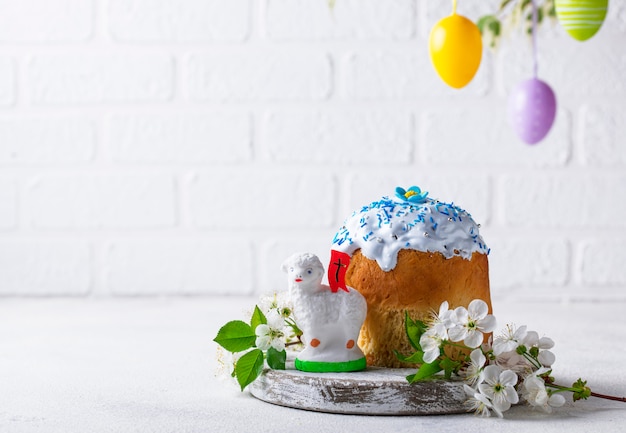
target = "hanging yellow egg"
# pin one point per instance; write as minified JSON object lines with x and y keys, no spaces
{"x":456,"y":48}
{"x":581,"y":18}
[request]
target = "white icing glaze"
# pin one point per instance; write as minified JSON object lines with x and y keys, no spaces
{"x":384,"y":227}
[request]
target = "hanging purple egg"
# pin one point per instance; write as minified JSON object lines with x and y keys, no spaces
{"x":532,"y":108}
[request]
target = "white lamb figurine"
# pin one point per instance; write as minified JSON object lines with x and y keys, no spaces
{"x":330,"y":321}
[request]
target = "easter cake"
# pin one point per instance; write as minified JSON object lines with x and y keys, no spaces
{"x":409,"y":253}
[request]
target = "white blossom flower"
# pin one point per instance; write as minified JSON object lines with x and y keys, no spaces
{"x":226,"y":362}
{"x":499,"y":387}
{"x":545,"y":356}
{"x":224,"y":365}
{"x":268,"y":303}
{"x":512,"y":361}
{"x":535,"y":393}
{"x":473,"y":374}
{"x":444,"y":317}
{"x":271,"y":334}
{"x":471,"y":323}
{"x":430,"y":342}
{"x":509,"y":340}
{"x":532,"y":339}
{"x":279,"y":302}
{"x":479,"y":403}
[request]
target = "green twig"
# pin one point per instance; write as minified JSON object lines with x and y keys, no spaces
{"x":578,"y":390}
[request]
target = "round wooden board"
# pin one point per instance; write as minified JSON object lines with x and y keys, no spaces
{"x":375,"y":391}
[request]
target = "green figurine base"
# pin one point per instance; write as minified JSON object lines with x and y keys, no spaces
{"x":330,"y":367}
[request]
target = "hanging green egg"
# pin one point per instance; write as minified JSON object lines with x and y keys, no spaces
{"x":581,"y":18}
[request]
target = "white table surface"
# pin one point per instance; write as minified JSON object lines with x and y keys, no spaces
{"x":149,"y":365}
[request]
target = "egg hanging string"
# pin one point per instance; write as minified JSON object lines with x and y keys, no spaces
{"x":534,"y":36}
{"x":453,"y":7}
{"x":532,"y":103}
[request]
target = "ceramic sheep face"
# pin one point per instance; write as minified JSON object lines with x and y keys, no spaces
{"x":330,"y":321}
{"x":305,"y":272}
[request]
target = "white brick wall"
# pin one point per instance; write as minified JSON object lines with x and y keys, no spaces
{"x":181,"y":137}
{"x":258,"y":75}
{"x":93,"y":78}
{"x":186,"y":147}
{"x":8,"y":203}
{"x":178,"y":20}
{"x":108,"y":201}
{"x":46,"y":21}
{"x":37,"y":266}
{"x":46,"y":139}
{"x":7,"y":81}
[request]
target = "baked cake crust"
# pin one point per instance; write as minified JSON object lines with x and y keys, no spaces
{"x":418,"y":285}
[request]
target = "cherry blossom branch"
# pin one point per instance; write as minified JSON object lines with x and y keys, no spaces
{"x":579,"y":389}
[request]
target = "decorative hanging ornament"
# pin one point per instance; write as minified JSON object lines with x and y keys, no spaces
{"x":532,"y":109}
{"x":581,"y":18}
{"x":456,"y":48}
{"x":532,"y":103}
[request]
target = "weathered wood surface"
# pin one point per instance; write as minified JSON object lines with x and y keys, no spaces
{"x":375,"y":391}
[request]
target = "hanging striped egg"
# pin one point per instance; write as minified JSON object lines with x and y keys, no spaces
{"x":581,"y":18}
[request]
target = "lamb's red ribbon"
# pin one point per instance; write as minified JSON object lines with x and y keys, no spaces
{"x":337,"y":271}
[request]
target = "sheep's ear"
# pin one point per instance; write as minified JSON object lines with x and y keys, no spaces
{"x":284,"y":266}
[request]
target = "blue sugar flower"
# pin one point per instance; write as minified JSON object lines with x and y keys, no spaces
{"x":413,"y":195}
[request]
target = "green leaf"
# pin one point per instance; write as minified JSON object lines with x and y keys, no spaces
{"x":249,"y":367}
{"x":449,"y":366}
{"x":236,"y":336}
{"x":415,"y":358}
{"x":489,"y":23}
{"x":297,"y":332}
{"x":258,"y":318}
{"x":275,"y":359}
{"x":582,"y":391}
{"x":494,"y":27}
{"x":490,"y":29}
{"x":425,"y":371}
{"x":414,"y":330}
